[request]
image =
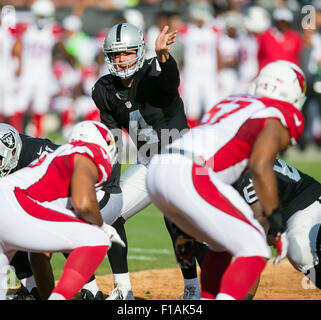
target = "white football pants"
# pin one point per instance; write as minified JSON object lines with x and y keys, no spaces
{"x":204,"y":207}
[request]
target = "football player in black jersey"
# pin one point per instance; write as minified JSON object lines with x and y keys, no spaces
{"x":300,"y":202}
{"x":18,"y":151}
{"x":142,"y":97}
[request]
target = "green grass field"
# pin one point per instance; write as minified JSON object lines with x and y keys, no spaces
{"x":149,"y":242}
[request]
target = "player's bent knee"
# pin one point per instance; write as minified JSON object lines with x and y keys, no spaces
{"x":112,"y":209}
{"x":300,"y":255}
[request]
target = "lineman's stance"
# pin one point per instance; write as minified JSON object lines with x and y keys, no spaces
{"x":191,"y":184}
{"x":299,"y":196}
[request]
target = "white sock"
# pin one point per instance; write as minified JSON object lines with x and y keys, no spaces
{"x":122,"y":280}
{"x":56,"y":296}
{"x":91,"y":286}
{"x":29,"y":283}
{"x":224,"y":296}
{"x":191,"y":282}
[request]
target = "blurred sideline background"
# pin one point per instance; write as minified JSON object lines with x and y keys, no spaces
{"x":50,"y":55}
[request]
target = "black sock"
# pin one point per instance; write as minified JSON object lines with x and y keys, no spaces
{"x":183,"y":246}
{"x":118,"y":255}
{"x":201,"y":251}
{"x":21,"y":265}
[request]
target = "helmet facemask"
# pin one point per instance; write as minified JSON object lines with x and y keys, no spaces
{"x":10,"y":149}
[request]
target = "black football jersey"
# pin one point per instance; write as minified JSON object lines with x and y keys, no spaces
{"x":151,"y":104}
{"x":34,"y":148}
{"x":296,"y":190}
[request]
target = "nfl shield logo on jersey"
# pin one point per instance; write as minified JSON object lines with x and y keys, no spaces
{"x":8,"y":140}
{"x":128,"y":104}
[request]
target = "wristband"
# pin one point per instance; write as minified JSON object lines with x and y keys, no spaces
{"x":276,"y":222}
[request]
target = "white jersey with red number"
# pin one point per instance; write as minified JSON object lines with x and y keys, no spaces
{"x":200,"y":45}
{"x":249,"y":66}
{"x":37,"y":47}
{"x":228,"y":131}
{"x":6,"y":61}
{"x":46,"y":181}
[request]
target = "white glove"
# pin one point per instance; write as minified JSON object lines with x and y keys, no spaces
{"x":112,"y":234}
{"x":281,"y":244}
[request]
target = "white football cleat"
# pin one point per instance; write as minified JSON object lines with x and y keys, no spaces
{"x":191,"y":293}
{"x":121,"y":293}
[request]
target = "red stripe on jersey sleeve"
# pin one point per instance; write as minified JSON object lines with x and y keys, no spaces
{"x":100,"y":157}
{"x":293,"y":117}
{"x":39,"y":212}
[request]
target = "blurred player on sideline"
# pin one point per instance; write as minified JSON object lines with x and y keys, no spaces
{"x":36,"y":79}
{"x":201,"y":62}
{"x":238,"y":132}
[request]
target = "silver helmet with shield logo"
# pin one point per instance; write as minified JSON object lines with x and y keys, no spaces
{"x":10,"y":148}
{"x":124,"y":37}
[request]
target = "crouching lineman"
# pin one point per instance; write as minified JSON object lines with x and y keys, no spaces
{"x":191,"y":184}
{"x":299,"y":198}
{"x":52,"y":206}
{"x":20,"y":154}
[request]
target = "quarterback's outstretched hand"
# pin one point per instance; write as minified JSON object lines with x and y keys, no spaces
{"x":112,"y":234}
{"x":163,"y":41}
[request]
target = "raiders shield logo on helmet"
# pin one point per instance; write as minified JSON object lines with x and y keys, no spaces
{"x":8,"y":140}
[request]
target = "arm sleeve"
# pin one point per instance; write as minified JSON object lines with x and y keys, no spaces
{"x":104,"y":108}
{"x":51,"y":145}
{"x":169,"y":75}
{"x":99,"y":157}
{"x":106,"y":116}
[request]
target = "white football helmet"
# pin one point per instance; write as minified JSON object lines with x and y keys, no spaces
{"x":10,"y":148}
{"x":95,"y":132}
{"x":123,"y":37}
{"x":282,"y":80}
{"x":44,"y":11}
{"x":257,"y":19}
{"x":201,"y":11}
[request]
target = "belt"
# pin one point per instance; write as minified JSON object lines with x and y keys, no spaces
{"x":188,"y":154}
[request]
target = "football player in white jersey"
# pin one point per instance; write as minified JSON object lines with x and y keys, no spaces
{"x":256,"y":21}
{"x":191,"y":182}
{"x":229,"y":49}
{"x":7,"y":74}
{"x":36,"y":82}
{"x":200,"y":66}
{"x":52,"y":206}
